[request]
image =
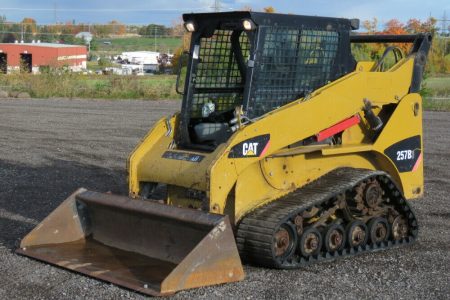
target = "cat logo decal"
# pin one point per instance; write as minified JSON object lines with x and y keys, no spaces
{"x":254,"y":147}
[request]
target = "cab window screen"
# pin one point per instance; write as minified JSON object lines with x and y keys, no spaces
{"x":294,"y":63}
{"x":218,"y":77}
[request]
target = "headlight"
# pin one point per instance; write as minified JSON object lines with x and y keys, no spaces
{"x":190,"y":26}
{"x":248,"y":24}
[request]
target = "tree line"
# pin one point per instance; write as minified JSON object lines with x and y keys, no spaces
{"x":29,"y":30}
{"x":439,"y":56}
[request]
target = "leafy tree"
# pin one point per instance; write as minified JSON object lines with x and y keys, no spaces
{"x":117,"y":27}
{"x":46,"y":38}
{"x":94,"y":44}
{"x":437,"y":60}
{"x":413,"y":26}
{"x":177,"y":28}
{"x":430,"y":26}
{"x":3,"y":26}
{"x":371,"y":26}
{"x":9,"y":38}
{"x":396,"y":27}
{"x":71,"y":39}
{"x":29,"y":25}
{"x":154,"y":29}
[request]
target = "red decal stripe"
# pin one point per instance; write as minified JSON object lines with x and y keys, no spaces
{"x":339,"y":127}
{"x":265,"y":149}
{"x":416,"y":165}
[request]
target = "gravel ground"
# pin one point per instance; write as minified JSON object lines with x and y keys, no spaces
{"x":48,"y":148}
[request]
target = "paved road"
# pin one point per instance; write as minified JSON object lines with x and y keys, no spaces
{"x":48,"y":148}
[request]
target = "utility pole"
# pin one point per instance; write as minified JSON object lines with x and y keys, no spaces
{"x":3,"y":19}
{"x":54,"y":12}
{"x":444,"y":24}
{"x":445,"y":31}
{"x":155,"y":37}
{"x":216,"y":6}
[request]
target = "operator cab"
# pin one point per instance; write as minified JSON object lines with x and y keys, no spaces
{"x":243,"y":65}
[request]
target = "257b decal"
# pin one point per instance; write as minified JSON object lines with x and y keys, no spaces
{"x":406,"y":154}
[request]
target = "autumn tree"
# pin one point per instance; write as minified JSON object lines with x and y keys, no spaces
{"x":117,"y":27}
{"x":429,"y":26}
{"x":368,"y":51}
{"x":177,"y":28}
{"x":68,"y":28}
{"x":396,"y":27}
{"x":29,"y":25}
{"x":437,"y":60}
{"x":102,"y":30}
{"x":371,"y":25}
{"x":413,"y":26}
{"x":269,"y":9}
{"x":177,"y":55}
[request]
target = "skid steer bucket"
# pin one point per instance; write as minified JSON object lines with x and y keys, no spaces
{"x":153,"y":248}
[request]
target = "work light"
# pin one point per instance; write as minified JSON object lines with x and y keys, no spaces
{"x":190,"y":26}
{"x":248,"y":24}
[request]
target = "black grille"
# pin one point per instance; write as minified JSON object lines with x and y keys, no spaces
{"x":219,"y":79}
{"x":294,"y":63}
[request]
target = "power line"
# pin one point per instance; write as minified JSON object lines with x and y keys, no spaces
{"x":54,"y":12}
{"x":74,"y":34}
{"x":106,"y":9}
{"x":444,"y":23}
{"x":216,"y":6}
{"x":83,"y":24}
{"x":79,"y":24}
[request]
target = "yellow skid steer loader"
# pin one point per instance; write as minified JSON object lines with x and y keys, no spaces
{"x":286,"y":152}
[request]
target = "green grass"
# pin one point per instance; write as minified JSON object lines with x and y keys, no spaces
{"x":93,"y":65}
{"x":92,"y":86}
{"x":436,"y":104}
{"x":437,"y":93}
{"x":439,"y":86}
{"x":118,"y":45}
{"x":152,"y":87}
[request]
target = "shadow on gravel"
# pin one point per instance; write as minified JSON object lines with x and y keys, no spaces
{"x":29,"y":193}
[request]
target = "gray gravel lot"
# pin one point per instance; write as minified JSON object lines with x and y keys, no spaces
{"x":48,"y":148}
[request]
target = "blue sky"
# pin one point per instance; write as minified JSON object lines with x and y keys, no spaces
{"x":166,"y":11}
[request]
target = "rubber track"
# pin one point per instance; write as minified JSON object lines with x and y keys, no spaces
{"x":255,"y":232}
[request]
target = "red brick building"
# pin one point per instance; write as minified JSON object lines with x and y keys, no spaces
{"x":28,"y":57}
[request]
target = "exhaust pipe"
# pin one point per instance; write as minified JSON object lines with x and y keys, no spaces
{"x":145,"y":246}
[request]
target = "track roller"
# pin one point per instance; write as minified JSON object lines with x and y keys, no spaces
{"x":345,"y":212}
